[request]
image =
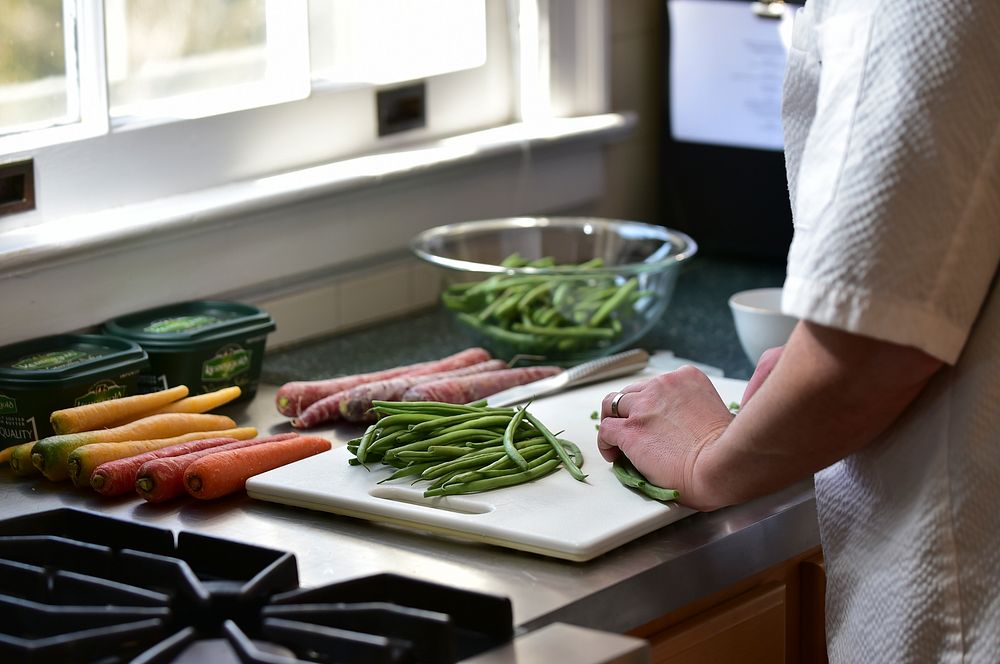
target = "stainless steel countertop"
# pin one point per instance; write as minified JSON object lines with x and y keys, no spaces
{"x":618,"y":591}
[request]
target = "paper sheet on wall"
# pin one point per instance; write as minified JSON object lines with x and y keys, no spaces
{"x":727,"y":65}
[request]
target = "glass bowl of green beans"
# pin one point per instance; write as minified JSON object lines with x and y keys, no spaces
{"x":555,"y":289}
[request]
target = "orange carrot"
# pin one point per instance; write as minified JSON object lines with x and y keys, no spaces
{"x":104,"y":414}
{"x":227,"y":471}
{"x":20,"y":460}
{"x":6,"y":454}
{"x":117,"y":477}
{"x":85,"y":459}
{"x":162,"y":479}
{"x":202,"y":403}
{"x":50,"y":455}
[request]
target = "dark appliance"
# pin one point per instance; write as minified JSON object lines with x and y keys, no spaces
{"x":733,"y":201}
{"x":81,"y":587}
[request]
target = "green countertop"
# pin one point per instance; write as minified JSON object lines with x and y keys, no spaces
{"x":697,"y":326}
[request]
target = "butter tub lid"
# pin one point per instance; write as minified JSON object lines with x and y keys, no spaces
{"x":190,"y":324}
{"x":64,"y":358}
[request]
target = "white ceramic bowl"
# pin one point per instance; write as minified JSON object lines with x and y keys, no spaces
{"x":759,"y":322}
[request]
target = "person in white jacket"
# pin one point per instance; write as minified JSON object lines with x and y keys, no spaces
{"x":889,"y":387}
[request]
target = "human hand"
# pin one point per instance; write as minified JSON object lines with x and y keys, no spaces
{"x":663,"y":424}
{"x":765,"y":365}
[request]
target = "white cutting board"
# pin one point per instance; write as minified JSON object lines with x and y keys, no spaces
{"x":554,"y":516}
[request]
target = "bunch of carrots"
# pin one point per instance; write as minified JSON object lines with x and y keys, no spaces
{"x":160,"y":445}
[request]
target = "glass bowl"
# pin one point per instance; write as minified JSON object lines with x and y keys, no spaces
{"x":555,"y":289}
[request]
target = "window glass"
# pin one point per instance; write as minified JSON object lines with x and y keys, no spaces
{"x":376,"y":42}
{"x":193,"y":58}
{"x":33,"y":65}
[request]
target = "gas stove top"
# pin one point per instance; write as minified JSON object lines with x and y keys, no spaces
{"x":81,"y":587}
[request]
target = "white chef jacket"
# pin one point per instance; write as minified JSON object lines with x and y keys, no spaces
{"x":892,"y":137}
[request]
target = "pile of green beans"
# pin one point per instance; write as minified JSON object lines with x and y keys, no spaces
{"x":548,"y":313}
{"x":630,"y":476}
{"x":462,"y":448}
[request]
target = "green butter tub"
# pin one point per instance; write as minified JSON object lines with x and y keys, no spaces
{"x":52,"y":373}
{"x":204,"y":345}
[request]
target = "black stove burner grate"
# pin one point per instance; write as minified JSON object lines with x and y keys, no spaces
{"x":80,"y":587}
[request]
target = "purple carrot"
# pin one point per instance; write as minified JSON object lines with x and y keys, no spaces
{"x":294,"y":397}
{"x":355,"y":403}
{"x":464,"y":389}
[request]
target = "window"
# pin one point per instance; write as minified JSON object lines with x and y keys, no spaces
{"x":194,"y":58}
{"x":36,"y":90}
{"x":127,"y":101}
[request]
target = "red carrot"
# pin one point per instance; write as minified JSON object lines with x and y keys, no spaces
{"x":479,"y":386}
{"x":117,"y":477}
{"x":225,"y":472}
{"x":294,"y":397}
{"x":356,"y":402}
{"x":162,"y":479}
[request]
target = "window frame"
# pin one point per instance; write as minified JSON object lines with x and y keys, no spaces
{"x":239,"y":240}
{"x":110,"y":156}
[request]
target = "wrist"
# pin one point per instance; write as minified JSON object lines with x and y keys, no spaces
{"x":711,"y":483}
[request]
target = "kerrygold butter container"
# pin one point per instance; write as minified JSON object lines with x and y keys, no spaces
{"x":204,"y":345}
{"x":51,"y":373}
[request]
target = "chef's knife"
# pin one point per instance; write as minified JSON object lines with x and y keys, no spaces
{"x":620,"y":364}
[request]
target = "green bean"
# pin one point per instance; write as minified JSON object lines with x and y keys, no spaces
{"x":366,"y":440}
{"x":528,"y":451}
{"x":405,"y":419}
{"x":443,"y":439}
{"x":510,"y":304}
{"x":444,"y":422}
{"x":500,"y":285}
{"x":450,"y":446}
{"x":630,"y":476}
{"x":491,"y":483}
{"x":514,"y":260}
{"x":484,"y":422}
{"x":461,"y":463}
{"x":408,"y":470}
{"x":508,"y":439}
{"x":573,"y":331}
{"x":570,"y":464}
{"x":526,"y":300}
{"x":612,"y":302}
{"x":423,"y":406}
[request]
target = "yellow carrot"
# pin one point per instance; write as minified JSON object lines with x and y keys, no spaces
{"x":83,"y":460}
{"x":50,"y":455}
{"x":20,"y":460}
{"x":202,"y":403}
{"x":112,"y":413}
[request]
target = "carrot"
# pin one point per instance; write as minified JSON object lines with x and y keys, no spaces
{"x":227,"y":471}
{"x":113,"y":478}
{"x":6,"y":454}
{"x":477,"y":386}
{"x":115,"y":412}
{"x":20,"y":460}
{"x":356,"y":403}
{"x":294,"y":397}
{"x":50,"y":455}
{"x":202,"y":403}
{"x":85,"y":459}
{"x":162,"y":479}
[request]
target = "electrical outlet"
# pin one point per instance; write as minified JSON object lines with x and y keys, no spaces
{"x":402,"y":108}
{"x":17,"y":187}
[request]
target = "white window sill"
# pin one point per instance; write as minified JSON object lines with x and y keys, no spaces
{"x":324,"y":248}
{"x":70,"y":239}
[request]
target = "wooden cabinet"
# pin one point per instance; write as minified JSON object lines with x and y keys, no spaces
{"x":774,"y":616}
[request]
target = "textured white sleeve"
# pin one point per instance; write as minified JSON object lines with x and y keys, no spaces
{"x":897,"y":208}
